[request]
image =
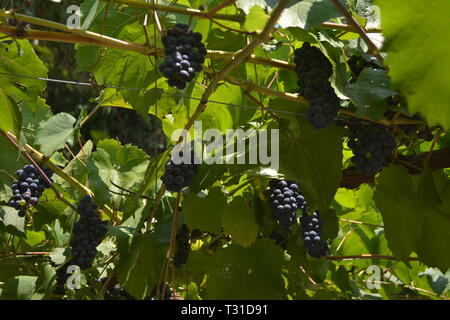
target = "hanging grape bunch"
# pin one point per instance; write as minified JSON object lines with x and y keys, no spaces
{"x":28,"y":188}
{"x":178,"y":176}
{"x":285,"y":199}
{"x":357,"y":64}
{"x":311,"y":230}
{"x":88,"y":233}
{"x":313,"y":71}
{"x":183,"y":248}
{"x":372,"y":145}
{"x":184,"y":55}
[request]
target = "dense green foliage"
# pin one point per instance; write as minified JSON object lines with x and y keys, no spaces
{"x":110,"y":136}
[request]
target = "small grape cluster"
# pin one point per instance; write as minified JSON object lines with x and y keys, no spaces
{"x":372,"y":145}
{"x":311,"y":230}
{"x":28,"y":188}
{"x":285,"y":199}
{"x":357,"y":64}
{"x":423,"y":133}
{"x":183,"y":248}
{"x":117,"y":292}
{"x":179,"y":176}
{"x":88,"y":233}
{"x":313,"y":71}
{"x":185,"y":54}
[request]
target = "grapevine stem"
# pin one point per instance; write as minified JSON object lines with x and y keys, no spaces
{"x":233,"y":29}
{"x":213,"y":11}
{"x":39,"y":157}
{"x":430,"y":153}
{"x":84,"y":34}
{"x":373,"y":49}
{"x":41,"y":173}
{"x":91,"y":114}
{"x":361,"y":222}
{"x":368,"y":256}
{"x":346,"y":27}
{"x":181,"y":10}
{"x":264,"y":108}
{"x":238,"y":59}
{"x":173,"y":236}
{"x":8,"y":174}
{"x":160,"y":194}
{"x":142,"y":49}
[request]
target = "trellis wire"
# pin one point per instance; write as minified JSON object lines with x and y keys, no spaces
{"x":150,"y":90}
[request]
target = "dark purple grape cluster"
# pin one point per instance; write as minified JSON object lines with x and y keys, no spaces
{"x":357,"y":64}
{"x":372,"y":146}
{"x":285,"y":199}
{"x":28,"y":188}
{"x":311,"y":230}
{"x":179,"y":176}
{"x":185,"y":54}
{"x":314,"y":70}
{"x":425,"y":135}
{"x":117,"y":293}
{"x":183,"y":247}
{"x":88,"y":233}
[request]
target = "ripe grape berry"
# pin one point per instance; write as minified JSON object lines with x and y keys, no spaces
{"x":184,"y":55}
{"x":285,"y":199}
{"x":372,"y":145}
{"x":313,"y":71}
{"x":88,"y":233}
{"x":28,"y":188}
{"x":311,"y":230}
{"x":183,"y":248}
{"x":178,"y":176}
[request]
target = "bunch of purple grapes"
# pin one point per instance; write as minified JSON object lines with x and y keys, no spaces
{"x":28,"y":188}
{"x":185,"y":54}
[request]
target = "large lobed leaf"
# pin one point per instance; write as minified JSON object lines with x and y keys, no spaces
{"x":415,"y":214}
{"x":314,"y":160}
{"x":418,"y":47}
{"x":246,"y":273}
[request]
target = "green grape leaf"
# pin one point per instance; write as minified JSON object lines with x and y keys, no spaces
{"x":140,"y":270}
{"x":370,"y":93}
{"x":418,"y":54}
{"x":59,"y":255}
{"x":308,"y":13}
{"x":9,"y":217}
{"x":246,"y":273}
{"x":123,"y":165}
{"x":55,"y":132}
{"x":77,"y":169}
{"x":20,"y":65}
{"x":204,"y":212}
{"x":414,"y":221}
{"x":33,"y":115}
{"x":240,"y":220}
{"x":10,"y":120}
{"x":314,"y":160}
{"x":438,"y":281}
{"x":19,"y":288}
{"x":256,"y":19}
{"x":246,"y":5}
